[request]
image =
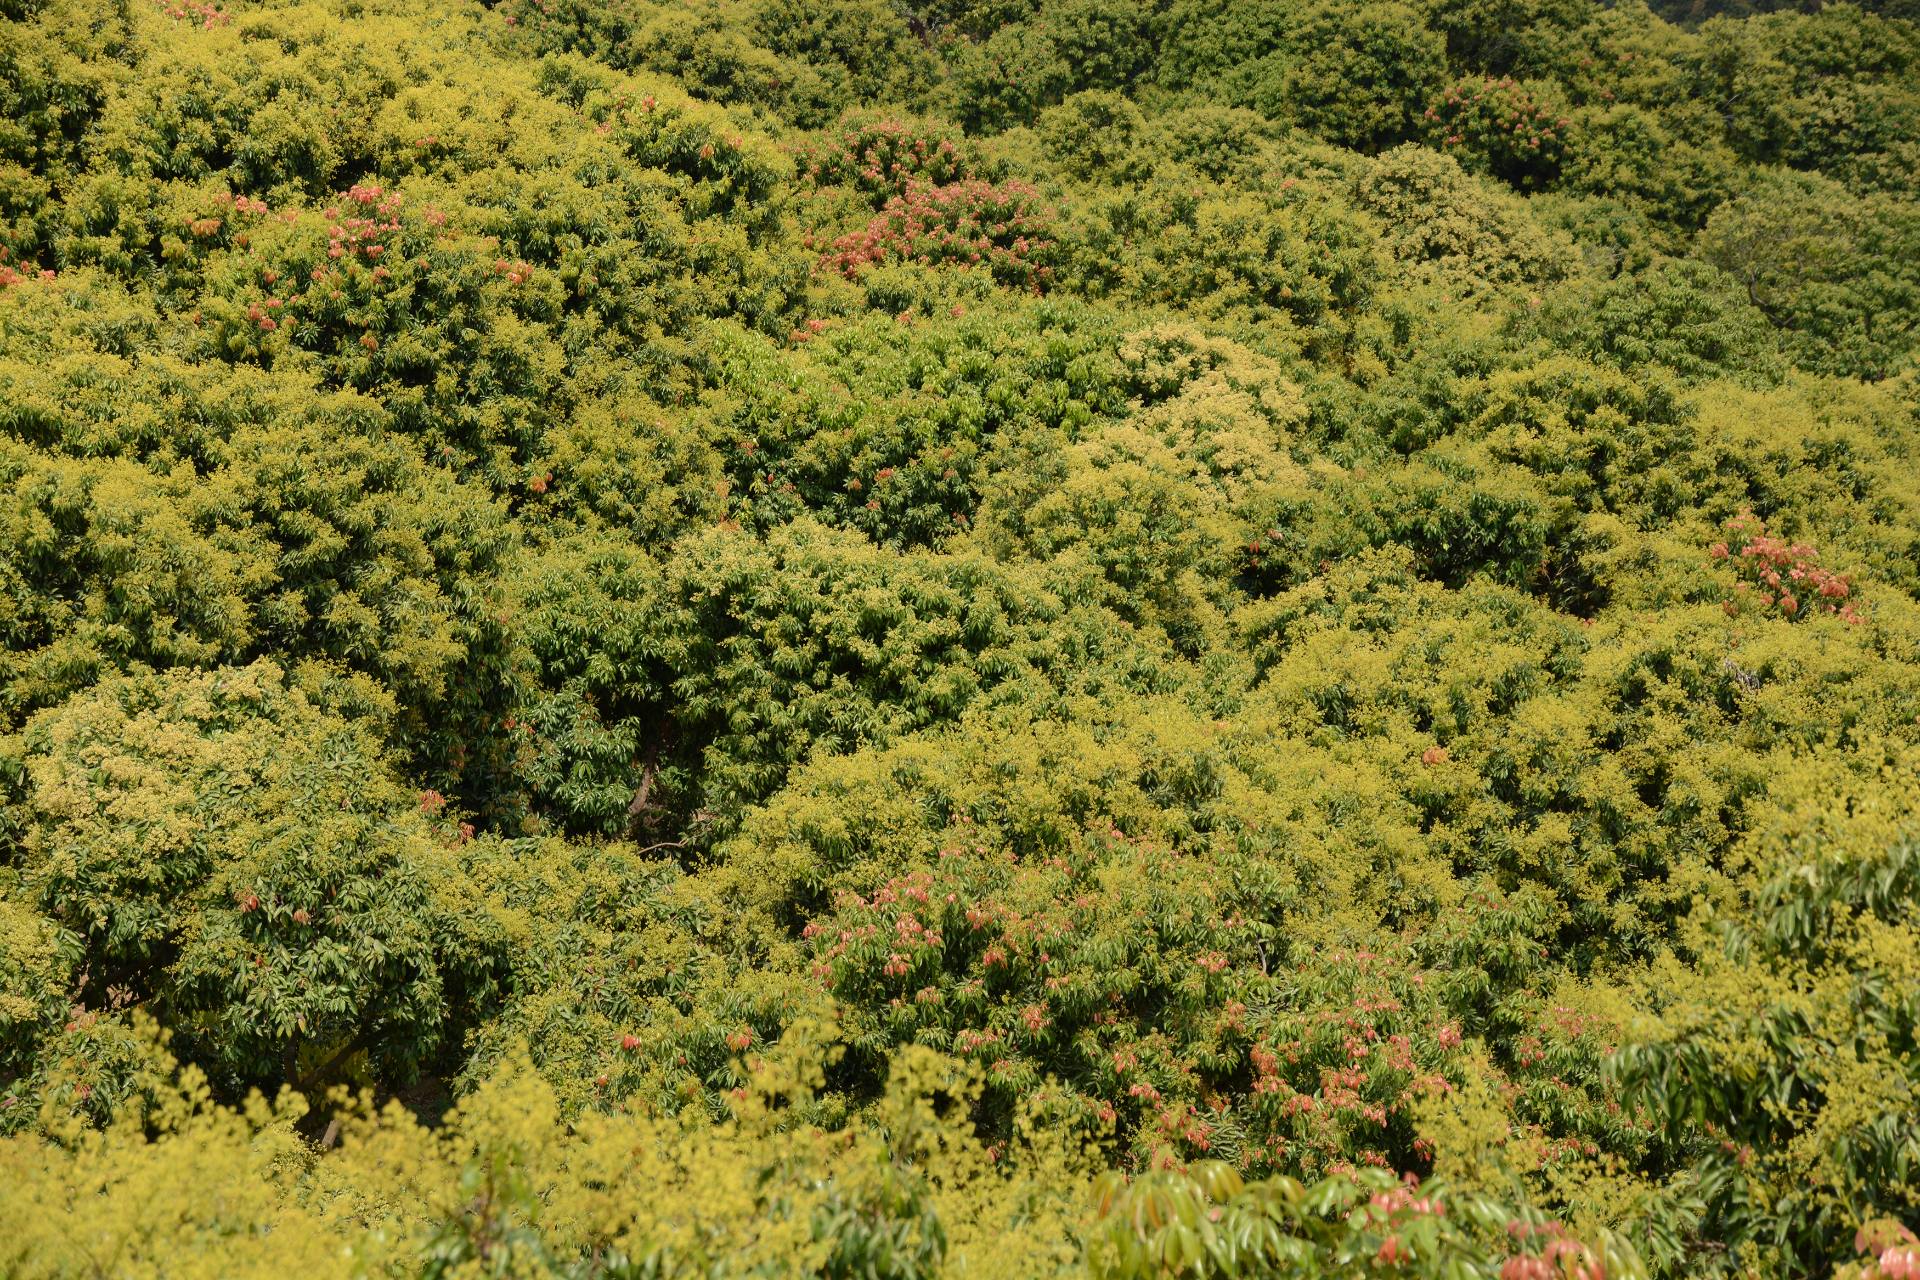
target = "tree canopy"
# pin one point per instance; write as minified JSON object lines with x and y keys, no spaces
{"x":919,"y":638}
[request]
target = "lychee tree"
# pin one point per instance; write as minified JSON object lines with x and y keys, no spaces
{"x":241,"y":863}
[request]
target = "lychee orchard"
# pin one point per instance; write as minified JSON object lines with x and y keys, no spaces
{"x":915,"y":639}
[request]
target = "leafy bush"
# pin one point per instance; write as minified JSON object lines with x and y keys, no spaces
{"x":1503,"y":128}
{"x":219,"y":849}
{"x":1207,"y":1222}
{"x":1445,"y":228}
{"x":883,"y":158}
{"x":1834,"y":273}
{"x":1002,"y":229}
{"x":1674,"y":313}
{"x":1811,"y":959}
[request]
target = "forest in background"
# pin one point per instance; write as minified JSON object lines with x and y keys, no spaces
{"x":1002,"y":638}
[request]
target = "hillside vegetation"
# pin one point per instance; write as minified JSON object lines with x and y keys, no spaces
{"x":959,"y":638}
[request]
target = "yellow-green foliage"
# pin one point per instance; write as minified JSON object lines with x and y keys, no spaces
{"x":999,"y":638}
{"x":187,"y":1186}
{"x":243,"y":863}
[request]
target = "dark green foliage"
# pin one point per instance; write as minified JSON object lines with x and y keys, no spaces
{"x":1359,"y":75}
{"x":1676,"y":313}
{"x":1834,"y":272}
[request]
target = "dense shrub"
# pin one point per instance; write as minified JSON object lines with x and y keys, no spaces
{"x":1501,"y":127}
{"x":1001,"y":228}
{"x":1450,"y":230}
{"x":1678,"y":314}
{"x":1358,"y":75}
{"x":284,"y":942}
{"x":1805,"y":966}
{"x":883,"y":158}
{"x":1834,"y":273}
